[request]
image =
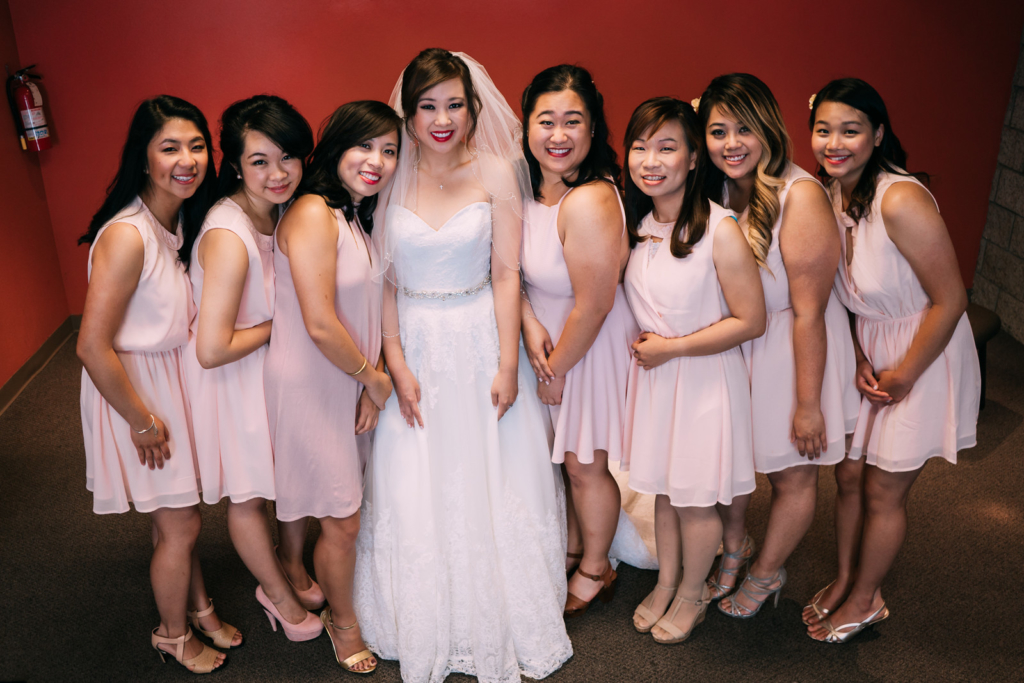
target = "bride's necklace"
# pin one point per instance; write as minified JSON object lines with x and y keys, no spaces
{"x":440,"y":185}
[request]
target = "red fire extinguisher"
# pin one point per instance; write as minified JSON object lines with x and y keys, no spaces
{"x":27,"y":108}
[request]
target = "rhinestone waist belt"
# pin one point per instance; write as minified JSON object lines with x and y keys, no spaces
{"x":420,"y":294}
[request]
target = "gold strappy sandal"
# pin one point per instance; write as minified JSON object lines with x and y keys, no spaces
{"x":222,"y":637}
{"x":203,"y":663}
{"x":349,"y":662}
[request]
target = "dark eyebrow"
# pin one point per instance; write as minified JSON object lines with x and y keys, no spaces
{"x":667,"y":140}
{"x":551,"y":112}
{"x":256,"y":154}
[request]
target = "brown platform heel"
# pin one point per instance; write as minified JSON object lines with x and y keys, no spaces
{"x":575,"y":606}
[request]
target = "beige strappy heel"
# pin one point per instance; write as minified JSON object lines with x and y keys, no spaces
{"x":351,"y":661}
{"x":203,"y":663}
{"x":645,"y":612}
{"x":678,"y":635}
{"x":222,"y":637}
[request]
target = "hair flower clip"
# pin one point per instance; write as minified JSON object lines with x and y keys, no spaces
{"x":695,"y":103}
{"x":810,"y":103}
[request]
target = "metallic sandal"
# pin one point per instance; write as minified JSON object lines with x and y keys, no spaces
{"x":222,"y":637}
{"x":645,"y":612}
{"x":744,"y":554}
{"x":841,"y":634}
{"x":351,"y":661}
{"x":760,"y":591}
{"x":822,"y":612}
{"x":665,"y":623}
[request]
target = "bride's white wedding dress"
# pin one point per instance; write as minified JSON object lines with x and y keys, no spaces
{"x":461,"y":551}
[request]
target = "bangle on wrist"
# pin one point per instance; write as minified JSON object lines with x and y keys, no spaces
{"x":152,"y":427}
{"x":361,"y":368}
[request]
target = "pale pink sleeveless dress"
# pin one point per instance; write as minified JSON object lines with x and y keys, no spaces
{"x":940,"y":414}
{"x":229,"y":412}
{"x":772,"y":366}
{"x":319,"y":460}
{"x":149,"y":344}
{"x":688,"y":421}
{"x":593,"y":402}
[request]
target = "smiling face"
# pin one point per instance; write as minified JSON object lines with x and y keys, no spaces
{"x":659,"y":161}
{"x":269,"y":174}
{"x":176,"y":159}
{"x":732,"y":145}
{"x":560,"y":133}
{"x":843,"y":140}
{"x":442,"y":117}
{"x":367,"y":167}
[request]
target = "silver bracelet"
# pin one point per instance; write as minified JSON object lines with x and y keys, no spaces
{"x":152,"y":427}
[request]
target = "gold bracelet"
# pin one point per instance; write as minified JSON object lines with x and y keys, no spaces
{"x":361,"y":368}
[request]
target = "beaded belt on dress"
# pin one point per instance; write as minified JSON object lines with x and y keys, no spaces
{"x":419,"y":294}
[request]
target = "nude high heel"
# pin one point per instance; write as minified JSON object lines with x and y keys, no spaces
{"x":312,"y":598}
{"x":222,"y":637}
{"x":308,"y":629}
{"x":645,"y":612}
{"x":665,"y":623}
{"x":203,"y":663}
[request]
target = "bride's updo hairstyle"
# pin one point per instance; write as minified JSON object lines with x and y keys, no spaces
{"x":748,"y":100}
{"x":888,"y":156}
{"x":600,"y":162}
{"x":696,"y":210}
{"x":430,"y":67}
{"x":350,"y":125}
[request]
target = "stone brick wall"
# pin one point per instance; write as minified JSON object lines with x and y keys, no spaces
{"x":999,"y":277}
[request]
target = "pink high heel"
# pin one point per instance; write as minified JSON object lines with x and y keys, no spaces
{"x":312,"y":598}
{"x":309,"y":629}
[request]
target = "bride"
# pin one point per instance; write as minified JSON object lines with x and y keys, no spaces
{"x":460,"y":553}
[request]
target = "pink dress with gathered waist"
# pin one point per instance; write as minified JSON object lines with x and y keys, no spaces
{"x":311,"y":402}
{"x":592,"y":411}
{"x":688,"y":420}
{"x":149,"y":343}
{"x":772,"y":364}
{"x":939,"y":416}
{"x":229,"y":412}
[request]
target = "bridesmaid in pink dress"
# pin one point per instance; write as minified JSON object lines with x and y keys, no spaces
{"x":135,"y":409}
{"x":324,"y":373}
{"x":693,"y":285}
{"x":917,"y":366}
{"x":801,"y":369}
{"x":577,"y":326}
{"x":264,"y":142}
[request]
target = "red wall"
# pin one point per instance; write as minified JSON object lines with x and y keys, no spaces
{"x":32,"y":300}
{"x":945,"y":69}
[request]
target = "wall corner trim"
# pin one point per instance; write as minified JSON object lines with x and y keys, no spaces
{"x":37,"y":361}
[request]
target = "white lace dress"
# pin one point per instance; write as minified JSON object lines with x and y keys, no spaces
{"x":461,"y":551}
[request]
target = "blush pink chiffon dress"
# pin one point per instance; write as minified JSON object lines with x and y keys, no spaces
{"x":311,"y":403}
{"x":149,"y":343}
{"x":688,"y":421}
{"x":940,"y":414}
{"x":229,"y":411}
{"x":772,"y":365}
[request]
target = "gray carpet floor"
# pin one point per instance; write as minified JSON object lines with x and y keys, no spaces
{"x":75,"y":602}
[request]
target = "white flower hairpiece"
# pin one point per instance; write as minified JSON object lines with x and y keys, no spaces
{"x":695,"y":103}
{"x":810,"y":103}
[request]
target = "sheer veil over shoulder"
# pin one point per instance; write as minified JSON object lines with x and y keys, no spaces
{"x":461,"y":548}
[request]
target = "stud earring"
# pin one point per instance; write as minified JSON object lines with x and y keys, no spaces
{"x":239,"y":176}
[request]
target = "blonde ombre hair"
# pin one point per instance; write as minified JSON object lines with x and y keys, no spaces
{"x":748,"y":100}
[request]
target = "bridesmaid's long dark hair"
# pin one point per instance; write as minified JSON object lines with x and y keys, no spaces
{"x":131,"y":178}
{"x":692,"y":222}
{"x":601,"y":162}
{"x":350,"y":125}
{"x":888,"y":156}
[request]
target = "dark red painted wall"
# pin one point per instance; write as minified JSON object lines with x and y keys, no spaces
{"x":32,"y":300}
{"x":944,"y":67}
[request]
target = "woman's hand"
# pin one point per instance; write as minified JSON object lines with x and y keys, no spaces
{"x":152,"y":445}
{"x":808,"y":432}
{"x":891,"y":383}
{"x":651,"y":350}
{"x":538,"y":347}
{"x":367,"y":411}
{"x":867,"y":385}
{"x":504,"y":389}
{"x":378,"y":387}
{"x":550,"y":393}
{"x":407,"y":389}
